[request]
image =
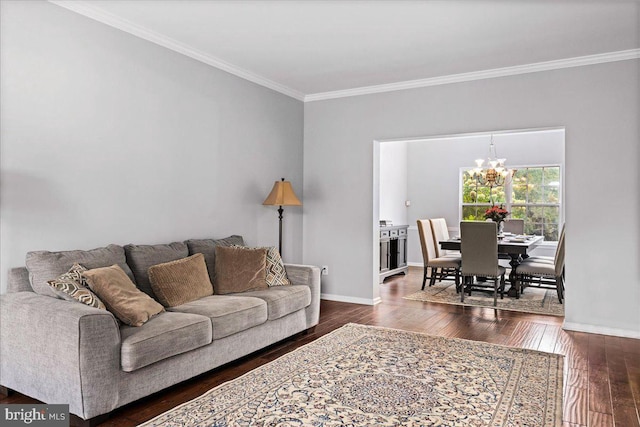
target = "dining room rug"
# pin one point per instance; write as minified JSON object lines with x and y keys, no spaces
{"x":370,"y":376}
{"x":533,"y":300}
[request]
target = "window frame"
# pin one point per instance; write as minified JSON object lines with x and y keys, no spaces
{"x":508,"y":193}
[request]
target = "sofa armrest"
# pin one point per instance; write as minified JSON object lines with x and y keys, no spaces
{"x":309,"y":275}
{"x":58,"y":351}
{"x":19,"y":280}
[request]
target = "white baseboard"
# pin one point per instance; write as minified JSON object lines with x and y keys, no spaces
{"x":415,"y":264}
{"x":353,"y":300}
{"x":602,"y":330}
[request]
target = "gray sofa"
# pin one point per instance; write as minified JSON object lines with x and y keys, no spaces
{"x":58,"y":351}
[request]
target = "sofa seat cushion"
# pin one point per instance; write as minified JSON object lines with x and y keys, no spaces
{"x":282,"y":300}
{"x":163,"y":336}
{"x":228,"y":314}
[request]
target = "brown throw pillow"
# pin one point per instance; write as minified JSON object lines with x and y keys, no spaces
{"x":240,"y":269}
{"x":182,"y":281}
{"x":121,"y":296}
{"x":207,"y":247}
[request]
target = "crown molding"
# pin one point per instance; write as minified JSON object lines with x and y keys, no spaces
{"x":84,"y":8}
{"x":480,"y":75}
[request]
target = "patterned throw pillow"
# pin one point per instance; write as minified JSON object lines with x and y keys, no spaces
{"x":72,"y":286}
{"x":276,"y":273}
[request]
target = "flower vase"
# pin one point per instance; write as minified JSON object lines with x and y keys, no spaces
{"x":500,"y":227}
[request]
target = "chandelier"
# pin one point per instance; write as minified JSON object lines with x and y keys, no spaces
{"x":495,"y":174}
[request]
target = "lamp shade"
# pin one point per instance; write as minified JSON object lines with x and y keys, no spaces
{"x":282,"y":195}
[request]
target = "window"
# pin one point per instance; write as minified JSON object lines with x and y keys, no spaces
{"x":533,"y":194}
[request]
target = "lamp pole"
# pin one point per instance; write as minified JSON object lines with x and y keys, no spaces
{"x":280,"y":211}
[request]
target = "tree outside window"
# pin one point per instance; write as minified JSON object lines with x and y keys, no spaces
{"x":533,"y":194}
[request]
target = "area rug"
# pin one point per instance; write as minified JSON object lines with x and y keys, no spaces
{"x":368,"y":376}
{"x":533,"y":300}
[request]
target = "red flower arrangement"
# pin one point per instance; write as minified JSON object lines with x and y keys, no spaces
{"x":496,"y":213}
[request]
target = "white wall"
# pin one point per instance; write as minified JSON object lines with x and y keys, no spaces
{"x":107,"y":138}
{"x":599,"y":107}
{"x":393,"y":182}
{"x":433,"y":171}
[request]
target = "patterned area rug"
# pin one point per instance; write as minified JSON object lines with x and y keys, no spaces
{"x":367,"y":376}
{"x":533,"y":300}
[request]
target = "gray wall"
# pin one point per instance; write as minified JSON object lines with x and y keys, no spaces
{"x":598,"y":105}
{"x":107,"y":138}
{"x":393,"y":182}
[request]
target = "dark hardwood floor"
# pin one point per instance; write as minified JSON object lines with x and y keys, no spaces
{"x":602,"y":373}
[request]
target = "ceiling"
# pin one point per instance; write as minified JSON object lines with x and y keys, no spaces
{"x":306,"y":48}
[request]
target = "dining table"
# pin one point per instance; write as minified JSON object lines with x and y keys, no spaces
{"x":518,"y":247}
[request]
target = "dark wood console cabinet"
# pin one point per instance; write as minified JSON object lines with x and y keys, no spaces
{"x":393,"y":251}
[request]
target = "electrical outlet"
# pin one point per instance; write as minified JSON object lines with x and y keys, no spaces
{"x":325,"y":270}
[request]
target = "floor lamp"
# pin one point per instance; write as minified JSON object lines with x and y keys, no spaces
{"x":281,"y":195}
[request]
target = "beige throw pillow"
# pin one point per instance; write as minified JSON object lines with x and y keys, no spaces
{"x":240,"y":269}
{"x":182,"y":281}
{"x":120,"y":295}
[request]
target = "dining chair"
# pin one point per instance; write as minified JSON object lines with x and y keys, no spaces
{"x":541,"y":272}
{"x":441,"y":232}
{"x":447,"y":265}
{"x":548,"y":259}
{"x":479,"y":248}
{"x":514,"y":226}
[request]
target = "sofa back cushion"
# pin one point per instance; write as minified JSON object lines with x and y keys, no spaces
{"x":240,"y":269}
{"x":207,"y":247}
{"x":44,"y":265}
{"x":121,"y":296}
{"x":141,"y":257}
{"x":182,"y":281}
